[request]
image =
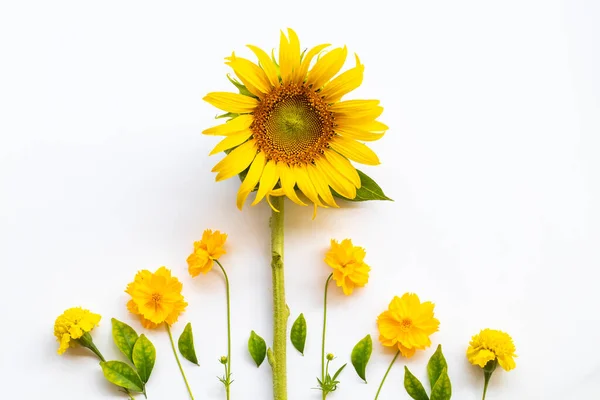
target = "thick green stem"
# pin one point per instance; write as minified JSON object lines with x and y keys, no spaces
{"x":187,"y":385}
{"x":386,"y":374}
{"x":280,"y":310}
{"x":324,"y":330}
{"x":488,"y":370}
{"x":228,"y":366}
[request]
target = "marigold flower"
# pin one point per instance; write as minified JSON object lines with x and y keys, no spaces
{"x":156,"y":297}
{"x":209,"y":248}
{"x":407,"y":324}
{"x":349,"y":269}
{"x":72,"y":325}
{"x":489,"y":345}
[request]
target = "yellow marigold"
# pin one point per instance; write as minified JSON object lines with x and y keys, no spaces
{"x":156,"y":297}
{"x":349,"y":269}
{"x":205,"y":251}
{"x":72,"y":325}
{"x":407,"y":324}
{"x":489,"y":345}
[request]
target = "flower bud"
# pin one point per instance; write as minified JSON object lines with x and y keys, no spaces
{"x":223,"y":360}
{"x":330,"y":357}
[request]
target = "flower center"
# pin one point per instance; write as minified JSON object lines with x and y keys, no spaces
{"x":292,"y":124}
{"x":406,"y":324}
{"x":156,"y":297}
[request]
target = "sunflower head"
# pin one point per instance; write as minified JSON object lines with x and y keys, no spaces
{"x":492,"y":345}
{"x":289,"y":128}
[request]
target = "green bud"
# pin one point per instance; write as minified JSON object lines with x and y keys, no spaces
{"x":223,"y":360}
{"x":330,"y":356}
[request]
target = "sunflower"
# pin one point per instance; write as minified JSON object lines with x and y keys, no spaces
{"x":289,"y":129}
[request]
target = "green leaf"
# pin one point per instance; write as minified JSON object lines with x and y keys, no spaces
{"x":144,"y":357}
{"x":243,"y":89}
{"x":229,"y":115}
{"x":338,"y":372}
{"x":186,"y":344}
{"x":361,"y":353}
{"x":124,"y":337}
{"x":413,"y":386}
{"x":369,"y":190}
{"x":435,"y":366}
{"x":443,"y":388}
{"x":122,"y":375}
{"x":298,"y":333}
{"x":257,"y":348}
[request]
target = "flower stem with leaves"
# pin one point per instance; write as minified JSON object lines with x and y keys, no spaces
{"x":227,"y":377}
{"x":187,"y":385}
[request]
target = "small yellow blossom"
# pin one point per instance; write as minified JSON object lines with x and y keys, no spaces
{"x":349,"y":269}
{"x":156,"y":297}
{"x":407,"y":324}
{"x":72,"y":325}
{"x":489,"y":345}
{"x":205,"y":251}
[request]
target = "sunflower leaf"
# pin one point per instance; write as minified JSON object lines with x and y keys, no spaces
{"x":361,"y":353}
{"x":186,"y":344}
{"x":436,"y":365}
{"x":243,"y":89}
{"x":413,"y":386}
{"x":298,"y":334}
{"x":257,"y":348}
{"x":229,"y":115}
{"x":144,"y":357}
{"x":442,"y":390}
{"x":369,"y":190}
{"x":122,"y":375}
{"x":124,"y":337}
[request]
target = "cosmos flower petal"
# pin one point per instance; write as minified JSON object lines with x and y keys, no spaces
{"x":231,"y":102}
{"x":252,"y":179}
{"x":326,"y":67}
{"x":348,"y":271}
{"x":354,"y":150}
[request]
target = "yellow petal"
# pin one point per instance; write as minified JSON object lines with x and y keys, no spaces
{"x":337,"y":181}
{"x":231,"y":102}
{"x":288,"y":182}
{"x":344,"y":84}
{"x":303,"y":70}
{"x":343,"y":166}
{"x":231,"y":141}
{"x":305,"y":184}
{"x":236,"y":161}
{"x":358,"y":134}
{"x":326,"y":67}
{"x":321,"y":186}
{"x":353,"y":106}
{"x":266,"y":64}
{"x":251,"y":75}
{"x":235,"y":125}
{"x":354,"y":150}
{"x":294,"y":53}
{"x":268,"y":180}
{"x":251,"y":179}
{"x":285,"y":62}
{"x":375,"y":126}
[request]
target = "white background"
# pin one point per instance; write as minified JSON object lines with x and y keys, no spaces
{"x":491,"y":158}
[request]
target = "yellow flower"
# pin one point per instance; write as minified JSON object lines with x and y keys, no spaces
{"x":72,"y":325}
{"x":489,"y":345}
{"x":205,"y":251}
{"x":289,"y":127}
{"x":349,"y":269}
{"x":156,"y":297}
{"x":407,"y":324}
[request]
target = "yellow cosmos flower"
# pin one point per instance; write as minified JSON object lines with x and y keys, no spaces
{"x":407,"y":324}
{"x":349,"y":269}
{"x":489,"y":345}
{"x":156,"y":297}
{"x":209,"y":248}
{"x":72,"y":325}
{"x":289,"y":127}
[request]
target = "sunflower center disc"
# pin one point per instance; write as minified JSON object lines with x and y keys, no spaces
{"x":292,"y":124}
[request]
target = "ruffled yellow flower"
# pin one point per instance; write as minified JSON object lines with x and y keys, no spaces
{"x":289,"y":127}
{"x":489,"y":345}
{"x":349,"y":269}
{"x":156,"y":297}
{"x":208,"y":249}
{"x":72,"y":325}
{"x":407,"y":324}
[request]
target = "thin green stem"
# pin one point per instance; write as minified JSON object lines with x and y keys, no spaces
{"x":324,"y":330}
{"x":277,"y":356}
{"x":488,"y":370}
{"x":228,"y":366}
{"x":386,"y":374}
{"x":179,"y":362}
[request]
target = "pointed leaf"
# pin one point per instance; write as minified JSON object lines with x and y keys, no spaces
{"x":369,"y":190}
{"x":361,"y":355}
{"x":186,"y":344}
{"x":338,"y":372}
{"x":122,"y":375}
{"x":298,"y":333}
{"x":257,"y":348}
{"x":436,"y":365}
{"x":413,"y":386}
{"x":144,"y":357}
{"x":124,"y":337}
{"x":443,"y":388}
{"x":243,"y":90}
